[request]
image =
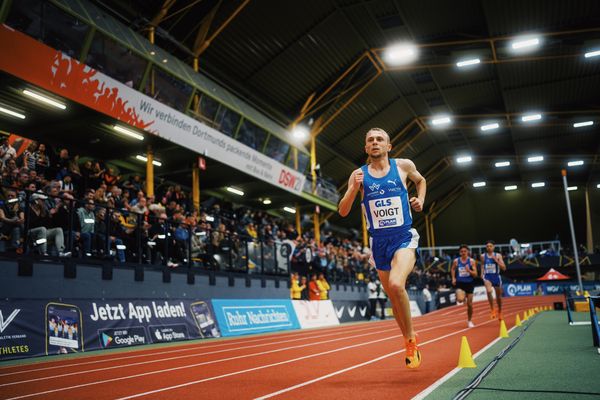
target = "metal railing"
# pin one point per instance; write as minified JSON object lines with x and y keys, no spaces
{"x":51,"y":227}
{"x":522,"y":249}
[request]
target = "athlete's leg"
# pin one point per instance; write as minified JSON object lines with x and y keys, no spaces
{"x":460,"y":295}
{"x":384,"y":277}
{"x":489,"y":289}
{"x":499,"y":293}
{"x":402,"y":265}
{"x":470,"y":306}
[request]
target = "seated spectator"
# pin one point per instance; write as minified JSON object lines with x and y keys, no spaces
{"x":40,"y":235}
{"x":12,"y":219}
{"x":87,"y":222}
{"x":66,"y":185}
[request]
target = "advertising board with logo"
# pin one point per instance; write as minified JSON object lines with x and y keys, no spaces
{"x":240,"y":317}
{"x":36,"y":327}
{"x":314,"y":314}
{"x":351,"y":311}
{"x":519,"y":289}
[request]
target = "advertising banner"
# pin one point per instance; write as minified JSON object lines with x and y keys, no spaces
{"x":479,"y":293}
{"x":314,"y":314}
{"x":36,"y":327}
{"x":559,"y":287}
{"x":241,"y":317}
{"x":519,"y":289}
{"x":351,"y":311}
{"x":446,"y":298}
{"x":53,"y":70}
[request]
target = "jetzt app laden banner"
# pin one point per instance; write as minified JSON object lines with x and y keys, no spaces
{"x":36,"y":327}
{"x":55,"y":71}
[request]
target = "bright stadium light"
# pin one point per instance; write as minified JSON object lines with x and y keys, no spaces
{"x":400,"y":54}
{"x":598,"y":186}
{"x":466,"y":63}
{"x":290,"y":210}
{"x":464,"y":159}
{"x":128,"y":132}
{"x":300,"y":132}
{"x":266,"y":202}
{"x":525,"y":43}
{"x":145,"y":159}
{"x":575,"y":163}
{"x":538,"y":184}
{"x":234,"y":191}
{"x":489,"y":127}
{"x":582,"y":124}
{"x":531,"y":117}
{"x":441,"y":120}
{"x":571,"y":188}
{"x":44,"y":99}
{"x":11,"y":113}
{"x":478,"y":184}
{"x":510,"y":187}
{"x":534,"y":159}
{"x":502,"y":164}
{"x":593,"y":53}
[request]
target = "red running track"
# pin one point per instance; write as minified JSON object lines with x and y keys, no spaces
{"x":359,"y":361}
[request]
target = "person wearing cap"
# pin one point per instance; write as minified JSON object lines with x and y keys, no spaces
{"x":87,"y":219}
{"x":40,"y":234}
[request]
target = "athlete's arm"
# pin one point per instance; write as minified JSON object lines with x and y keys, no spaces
{"x":354,"y":184}
{"x":500,"y":261}
{"x":453,"y":272}
{"x":419,"y":180}
{"x":474,"y":268}
{"x":482,"y":262}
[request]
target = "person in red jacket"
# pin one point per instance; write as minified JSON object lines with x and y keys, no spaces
{"x":313,"y":288}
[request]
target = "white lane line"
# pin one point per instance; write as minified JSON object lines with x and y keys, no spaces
{"x":380,"y":358}
{"x":450,"y":374}
{"x":106,"y":357}
{"x":195,"y":355}
{"x":222,"y":360}
{"x":202,"y":348}
{"x":341,"y":371}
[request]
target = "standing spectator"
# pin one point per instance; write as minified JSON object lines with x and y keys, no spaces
{"x":42,"y":162}
{"x":29,"y":157}
{"x":372,"y":287}
{"x":7,"y":152}
{"x":295,"y":288}
{"x":323,"y":287}
{"x":427,"y":297}
{"x":304,"y":286}
{"x":381,"y":298}
{"x":313,"y":288}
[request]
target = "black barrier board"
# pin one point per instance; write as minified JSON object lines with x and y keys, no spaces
{"x":446,"y":298}
{"x":37,"y":327}
{"x":351,"y":311}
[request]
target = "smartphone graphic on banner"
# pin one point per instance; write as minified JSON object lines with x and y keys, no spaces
{"x":204,"y":320}
{"x":64,"y":332}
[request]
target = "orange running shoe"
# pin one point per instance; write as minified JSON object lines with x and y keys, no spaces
{"x":493,"y":314}
{"x":413,"y":355}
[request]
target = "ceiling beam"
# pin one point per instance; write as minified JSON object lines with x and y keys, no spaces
{"x":206,"y":43}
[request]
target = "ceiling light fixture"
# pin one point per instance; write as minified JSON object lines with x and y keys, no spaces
{"x":44,"y":99}
{"x":478,"y":184}
{"x":489,"y":127}
{"x":290,"y":210}
{"x":128,"y":132}
{"x":11,"y":113}
{"x":534,"y":159}
{"x":466,"y":63}
{"x":235,"y":191}
{"x":501,"y":164}
{"x":510,"y":187}
{"x":582,"y":124}
{"x":400,"y":54}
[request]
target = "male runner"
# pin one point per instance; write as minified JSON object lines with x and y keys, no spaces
{"x":386,"y":206}
{"x":463,"y":280}
{"x":491,"y":265}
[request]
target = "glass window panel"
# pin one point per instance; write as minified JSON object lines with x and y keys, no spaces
{"x":303,"y":160}
{"x":251,"y":135}
{"x":227,"y":121}
{"x":277,"y":149}
{"x":48,"y":24}
{"x":168,"y":89}
{"x":115,"y":60}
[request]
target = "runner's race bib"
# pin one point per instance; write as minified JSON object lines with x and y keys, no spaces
{"x":386,"y":213}
{"x":490,"y":268}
